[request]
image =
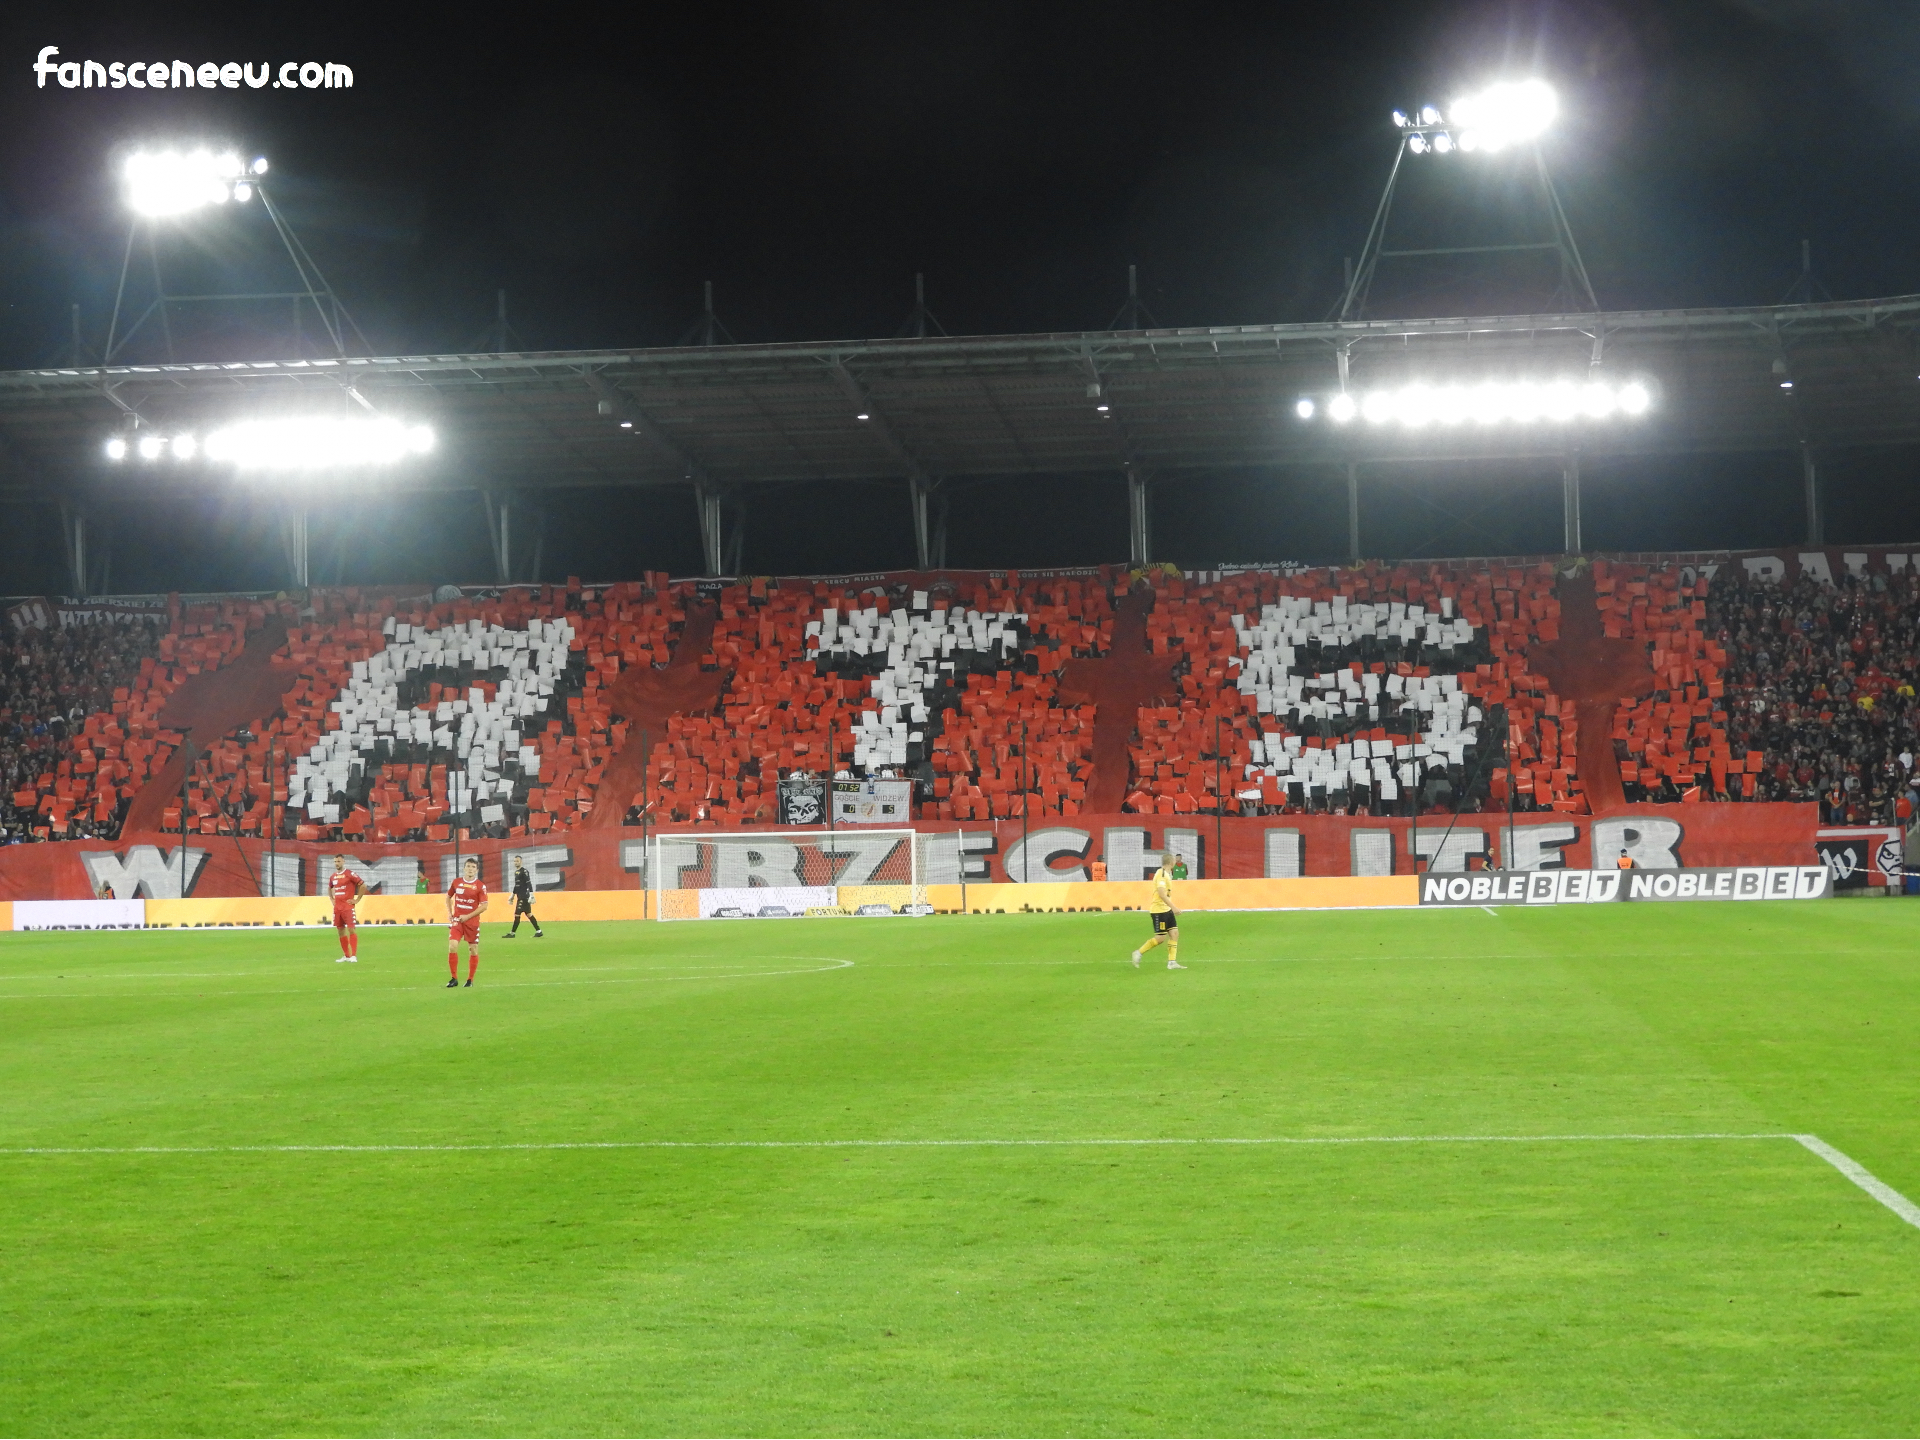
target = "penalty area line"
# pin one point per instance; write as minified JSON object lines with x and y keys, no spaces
{"x":1852,"y":1169}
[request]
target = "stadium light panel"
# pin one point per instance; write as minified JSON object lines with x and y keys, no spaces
{"x":317,"y":444}
{"x":174,"y":182}
{"x":1524,"y":402}
{"x":1508,"y":113}
{"x":1304,"y":407}
{"x":284,"y":445}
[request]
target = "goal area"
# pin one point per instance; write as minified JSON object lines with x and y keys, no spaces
{"x":781,"y":874}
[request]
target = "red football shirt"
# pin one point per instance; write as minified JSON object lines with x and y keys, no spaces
{"x":467,"y":896}
{"x":344,"y":886}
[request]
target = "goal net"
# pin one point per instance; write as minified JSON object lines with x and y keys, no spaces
{"x":777,"y":874}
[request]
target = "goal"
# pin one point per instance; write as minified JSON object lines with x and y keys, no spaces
{"x":779,"y":874}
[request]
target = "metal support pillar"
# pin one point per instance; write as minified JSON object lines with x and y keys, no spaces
{"x":1810,"y":477}
{"x":499,"y":535}
{"x":293,"y":540}
{"x":1140,"y":538}
{"x":1570,"y":499}
{"x":73,"y":528}
{"x":706,"y":499}
{"x":920,"y":491}
{"x":1353,"y":512}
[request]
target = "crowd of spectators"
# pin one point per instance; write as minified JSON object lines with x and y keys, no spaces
{"x":50,"y":681}
{"x":1821,"y":677}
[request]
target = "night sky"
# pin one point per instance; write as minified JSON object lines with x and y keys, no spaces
{"x":599,"y":165}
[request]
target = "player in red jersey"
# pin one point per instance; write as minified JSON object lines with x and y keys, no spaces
{"x":346,"y":887}
{"x":466,"y":903}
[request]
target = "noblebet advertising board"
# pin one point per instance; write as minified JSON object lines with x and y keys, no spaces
{"x":1586,"y":887}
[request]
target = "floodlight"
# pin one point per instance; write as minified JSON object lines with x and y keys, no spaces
{"x":1504,"y":114}
{"x":259,"y":166}
{"x":1400,"y":118}
{"x":151,"y":446}
{"x":1442,"y":143}
{"x":862,"y":417}
{"x":1491,"y":402}
{"x":1417,"y":143}
{"x":184,"y":447}
{"x":316,"y":444}
{"x":1429,"y":115}
{"x":116,"y":449}
{"x":173,"y":182}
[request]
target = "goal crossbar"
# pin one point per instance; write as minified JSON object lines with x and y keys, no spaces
{"x":779,"y":874}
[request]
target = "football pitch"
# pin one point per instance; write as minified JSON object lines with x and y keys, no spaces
{"x":1458,"y":1172}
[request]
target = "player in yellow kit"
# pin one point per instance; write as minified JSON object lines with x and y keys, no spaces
{"x":1166,"y":925}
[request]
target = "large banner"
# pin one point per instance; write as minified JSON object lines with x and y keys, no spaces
{"x":1862,"y":855}
{"x":1059,"y":850}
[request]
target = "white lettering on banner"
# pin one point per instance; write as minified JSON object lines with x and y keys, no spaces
{"x":1126,"y":852}
{"x":1186,"y":845}
{"x":758,"y":862}
{"x":145,"y":874}
{"x":1285,"y":855}
{"x":866,"y":854}
{"x":547,"y":864}
{"x":390,"y":875}
{"x":1768,"y":569}
{"x":1371,"y":852}
{"x":1813,"y":565}
{"x":1536,"y":847}
{"x":945,"y":858}
{"x":79,"y":914}
{"x":1446,"y":850}
{"x":633,"y":856}
{"x":1031,"y":859}
{"x":1652,"y":844}
{"x":675,"y":858}
{"x":280,"y":875}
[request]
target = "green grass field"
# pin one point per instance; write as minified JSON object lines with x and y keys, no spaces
{"x":732,"y":1258}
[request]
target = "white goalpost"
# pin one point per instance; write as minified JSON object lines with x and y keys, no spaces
{"x":779,"y":874}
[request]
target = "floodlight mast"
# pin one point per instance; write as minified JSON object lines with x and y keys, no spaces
{"x":167,"y":184}
{"x":1503,"y":116}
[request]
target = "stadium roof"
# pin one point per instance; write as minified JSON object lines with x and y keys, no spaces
{"x":1180,"y":400}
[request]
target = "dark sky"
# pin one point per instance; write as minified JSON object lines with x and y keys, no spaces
{"x":599,"y":164}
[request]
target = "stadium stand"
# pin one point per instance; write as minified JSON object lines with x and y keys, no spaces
{"x":81,"y":716}
{"x":1374,"y":689}
{"x":1820,"y":681}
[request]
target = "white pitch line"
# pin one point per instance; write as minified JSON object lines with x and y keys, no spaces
{"x":1902,"y":1207}
{"x":1864,"y":1178}
{"x":1146,"y":1141}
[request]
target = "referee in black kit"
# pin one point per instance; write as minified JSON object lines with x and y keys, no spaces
{"x":523,"y":901}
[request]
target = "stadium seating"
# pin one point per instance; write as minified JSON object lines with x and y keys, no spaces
{"x":1819,"y":679}
{"x":1367,"y":689}
{"x":77,"y":707}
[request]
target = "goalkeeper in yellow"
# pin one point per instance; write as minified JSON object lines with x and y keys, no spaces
{"x":1166,"y":925}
